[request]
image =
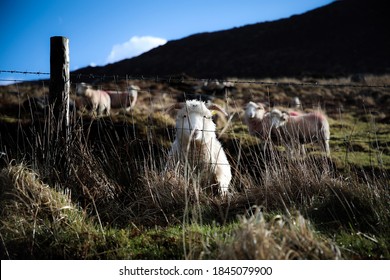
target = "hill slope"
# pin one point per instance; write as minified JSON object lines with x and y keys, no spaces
{"x":342,"y":38}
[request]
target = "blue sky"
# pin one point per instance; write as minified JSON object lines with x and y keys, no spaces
{"x":102,"y":32}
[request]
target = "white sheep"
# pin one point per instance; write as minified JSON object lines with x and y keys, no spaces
{"x":296,"y":102}
{"x":99,"y":99}
{"x":196,"y":143}
{"x":254,"y":118}
{"x":298,"y":130}
{"x":125,"y":100}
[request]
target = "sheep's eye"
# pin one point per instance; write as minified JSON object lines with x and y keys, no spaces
{"x":184,"y":116}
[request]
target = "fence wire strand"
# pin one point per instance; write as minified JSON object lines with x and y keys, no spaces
{"x":24,"y":72}
{"x":183,"y":79}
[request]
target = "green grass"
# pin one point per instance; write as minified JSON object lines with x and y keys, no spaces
{"x":360,"y":144}
{"x":357,"y":245}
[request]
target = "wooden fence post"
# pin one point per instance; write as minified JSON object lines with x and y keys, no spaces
{"x":59,"y":79}
{"x":59,"y":90}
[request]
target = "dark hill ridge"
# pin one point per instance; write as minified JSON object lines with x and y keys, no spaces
{"x":342,"y":38}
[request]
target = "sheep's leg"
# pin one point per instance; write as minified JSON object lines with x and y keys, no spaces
{"x":127,"y":104}
{"x":223,"y":179}
{"x":224,"y":190}
{"x":291,"y":150}
{"x":302,"y":150}
{"x":327,"y":149}
{"x":100,"y":110}
{"x":133,"y":101}
{"x":94,"y":109}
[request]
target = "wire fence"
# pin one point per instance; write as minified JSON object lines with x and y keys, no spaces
{"x":11,"y":80}
{"x":348,"y":140}
{"x":182,"y":79}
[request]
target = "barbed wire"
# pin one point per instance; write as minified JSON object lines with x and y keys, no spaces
{"x":232,"y":82}
{"x":24,"y":72}
{"x":182,"y":79}
{"x":12,"y":80}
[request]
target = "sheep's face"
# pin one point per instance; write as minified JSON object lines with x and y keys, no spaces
{"x":194,"y":122}
{"x":133,"y":90}
{"x":278,"y":118}
{"x":81,"y":89}
{"x":253,"y":110}
{"x":296,"y":102}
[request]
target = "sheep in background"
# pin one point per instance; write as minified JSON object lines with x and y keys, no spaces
{"x":253,"y":118}
{"x":296,"y":102}
{"x":125,"y":100}
{"x":297,"y":108}
{"x":196,"y":143}
{"x":298,"y":130}
{"x":99,"y":99}
{"x":280,"y":127}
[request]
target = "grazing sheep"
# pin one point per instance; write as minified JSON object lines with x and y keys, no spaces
{"x":99,"y":99}
{"x":298,"y":130}
{"x":196,"y":143}
{"x":125,"y":100}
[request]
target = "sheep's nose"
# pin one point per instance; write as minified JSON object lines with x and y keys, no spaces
{"x":275,"y":123}
{"x":196,"y":133}
{"x":250,"y":114}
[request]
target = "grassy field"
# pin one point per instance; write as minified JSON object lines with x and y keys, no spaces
{"x":108,"y":196}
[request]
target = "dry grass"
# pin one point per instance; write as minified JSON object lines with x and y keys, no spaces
{"x":280,"y":238}
{"x":36,"y":218}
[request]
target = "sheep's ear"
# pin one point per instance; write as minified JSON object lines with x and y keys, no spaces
{"x":134,"y":87}
{"x":217,"y":108}
{"x":176,"y":106}
{"x":285,"y":115}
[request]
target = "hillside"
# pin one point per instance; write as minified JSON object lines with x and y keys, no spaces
{"x":342,"y":38}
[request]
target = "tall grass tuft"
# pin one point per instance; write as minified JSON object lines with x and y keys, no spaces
{"x":277,"y":238}
{"x":38,"y":221}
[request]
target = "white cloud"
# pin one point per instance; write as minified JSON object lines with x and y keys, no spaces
{"x":133,"y":47}
{"x":8,"y":81}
